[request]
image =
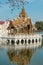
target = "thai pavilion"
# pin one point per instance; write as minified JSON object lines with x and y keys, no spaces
{"x":22,"y":25}
{"x":19,"y":32}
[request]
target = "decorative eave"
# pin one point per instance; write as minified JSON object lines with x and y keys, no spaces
{"x":10,"y":25}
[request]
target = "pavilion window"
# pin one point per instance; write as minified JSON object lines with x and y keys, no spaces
{"x":12,"y":30}
{"x":12,"y":42}
{"x":22,"y":41}
{"x":32,"y":40}
{"x":28,"y":26}
{"x":29,"y":41}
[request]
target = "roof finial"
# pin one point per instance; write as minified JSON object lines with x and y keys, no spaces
{"x":23,"y":9}
{"x":23,"y":13}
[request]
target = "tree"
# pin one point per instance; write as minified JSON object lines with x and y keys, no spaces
{"x":39,"y":25}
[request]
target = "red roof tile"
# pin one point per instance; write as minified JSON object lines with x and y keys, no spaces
{"x":1,"y":22}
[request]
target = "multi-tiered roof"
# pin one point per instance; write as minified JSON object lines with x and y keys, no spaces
{"x":23,"y":22}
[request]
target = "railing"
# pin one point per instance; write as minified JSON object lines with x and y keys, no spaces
{"x":31,"y":44}
{"x":23,"y":36}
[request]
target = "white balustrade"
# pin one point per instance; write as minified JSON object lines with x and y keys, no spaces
{"x":28,"y":41}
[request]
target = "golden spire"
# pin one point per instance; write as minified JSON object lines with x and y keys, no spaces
{"x":23,"y":10}
{"x":23,"y":13}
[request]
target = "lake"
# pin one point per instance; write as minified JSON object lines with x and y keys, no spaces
{"x":34,"y":57}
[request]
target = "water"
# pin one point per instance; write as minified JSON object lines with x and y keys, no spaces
{"x":39,"y":32}
{"x":36,"y":58}
{"x":4,"y":60}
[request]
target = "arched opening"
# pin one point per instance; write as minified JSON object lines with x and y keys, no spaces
{"x":12,"y":42}
{"x":29,"y":41}
{"x":17,"y":42}
{"x":36,"y":40}
{"x":12,"y":27}
{"x":25,"y":41}
{"x":39,"y":40}
{"x":8,"y":41}
{"x":22,"y":41}
{"x":32,"y":40}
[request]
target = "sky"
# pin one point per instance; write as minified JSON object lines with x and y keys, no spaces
{"x":34,"y":10}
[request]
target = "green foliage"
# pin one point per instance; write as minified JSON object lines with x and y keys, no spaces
{"x":39,"y":25}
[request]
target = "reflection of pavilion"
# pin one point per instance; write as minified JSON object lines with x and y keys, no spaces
{"x":21,"y":57}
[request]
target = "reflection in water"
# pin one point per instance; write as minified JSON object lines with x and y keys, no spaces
{"x":22,"y":57}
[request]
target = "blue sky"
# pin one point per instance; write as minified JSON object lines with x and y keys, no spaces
{"x":34,"y":10}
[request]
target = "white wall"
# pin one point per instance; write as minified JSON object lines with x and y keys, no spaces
{"x":3,"y":29}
